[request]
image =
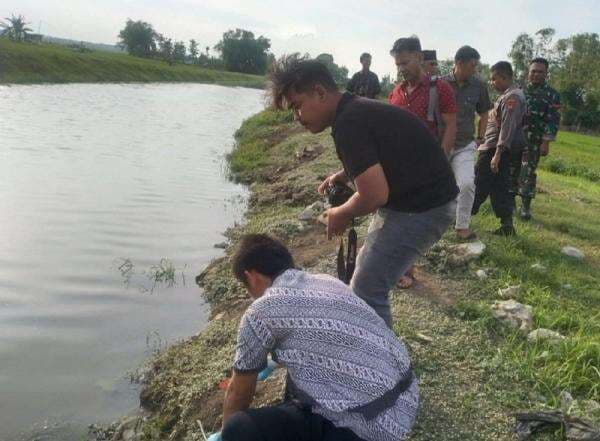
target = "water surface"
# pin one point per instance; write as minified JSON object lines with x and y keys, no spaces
{"x":103,"y":190}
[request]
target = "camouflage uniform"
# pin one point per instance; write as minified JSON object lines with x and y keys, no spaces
{"x":543,"y":103}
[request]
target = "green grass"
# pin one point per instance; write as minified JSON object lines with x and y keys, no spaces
{"x":24,"y":63}
{"x":574,"y":155}
{"x":565,"y":297}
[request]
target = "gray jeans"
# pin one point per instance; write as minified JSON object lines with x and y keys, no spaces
{"x":394,"y":242}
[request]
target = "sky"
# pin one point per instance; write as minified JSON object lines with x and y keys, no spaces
{"x":343,"y":28}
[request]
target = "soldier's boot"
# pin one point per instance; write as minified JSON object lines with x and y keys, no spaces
{"x":525,"y":212}
{"x":506,"y":228}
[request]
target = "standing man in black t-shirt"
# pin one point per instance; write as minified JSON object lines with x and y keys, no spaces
{"x":364,"y":83}
{"x":397,"y":167}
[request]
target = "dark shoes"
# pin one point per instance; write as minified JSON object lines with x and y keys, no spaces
{"x":505,"y":230}
{"x":525,"y":214}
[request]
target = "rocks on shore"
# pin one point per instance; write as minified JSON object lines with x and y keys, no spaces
{"x":481,"y":274}
{"x":510,"y":292}
{"x":462,"y":254}
{"x":311,"y":212}
{"x":539,"y":267}
{"x":514,"y":314}
{"x":573,"y":252}
{"x":545,"y":335}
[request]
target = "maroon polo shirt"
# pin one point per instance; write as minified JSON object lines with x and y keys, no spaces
{"x":417,"y":101}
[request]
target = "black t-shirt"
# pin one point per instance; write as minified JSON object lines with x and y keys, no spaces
{"x":367,"y":132}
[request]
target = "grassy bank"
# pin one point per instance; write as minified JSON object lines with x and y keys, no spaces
{"x":24,"y":63}
{"x":474,"y":373}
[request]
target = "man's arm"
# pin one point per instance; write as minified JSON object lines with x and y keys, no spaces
{"x":372,"y":192}
{"x":481,"y":127}
{"x":377,"y":85}
{"x":448,"y":109}
{"x":552,"y":123}
{"x":511,"y":122}
{"x":239,"y":393}
{"x":449,"y":138}
{"x":351,"y":84}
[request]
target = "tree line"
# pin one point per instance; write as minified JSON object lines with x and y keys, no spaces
{"x":574,"y":72}
{"x":238,"y":50}
{"x":574,"y":61}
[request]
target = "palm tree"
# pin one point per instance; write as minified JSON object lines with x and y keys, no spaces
{"x":16,"y":28}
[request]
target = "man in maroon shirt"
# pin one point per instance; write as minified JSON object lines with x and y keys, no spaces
{"x":430,"y":98}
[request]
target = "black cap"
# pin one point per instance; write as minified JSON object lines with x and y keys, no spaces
{"x":429,"y":55}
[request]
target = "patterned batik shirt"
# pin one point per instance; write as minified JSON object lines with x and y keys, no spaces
{"x":337,"y":350}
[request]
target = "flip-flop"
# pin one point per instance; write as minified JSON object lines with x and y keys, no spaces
{"x":406,"y":281}
{"x":471,"y":236}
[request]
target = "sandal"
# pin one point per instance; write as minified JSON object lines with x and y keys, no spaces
{"x":408,"y":279}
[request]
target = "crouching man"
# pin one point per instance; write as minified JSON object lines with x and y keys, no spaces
{"x":399,"y":171}
{"x":351,"y":376}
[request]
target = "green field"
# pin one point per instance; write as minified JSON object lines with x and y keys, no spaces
{"x":565,"y":297}
{"x":24,"y":63}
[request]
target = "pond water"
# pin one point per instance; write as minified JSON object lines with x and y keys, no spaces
{"x":111,"y":200}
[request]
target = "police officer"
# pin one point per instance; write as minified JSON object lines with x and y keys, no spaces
{"x":543,"y":103}
{"x":500,"y":154}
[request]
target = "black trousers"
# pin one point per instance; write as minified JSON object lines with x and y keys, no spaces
{"x":496,"y":185}
{"x":290,"y":421}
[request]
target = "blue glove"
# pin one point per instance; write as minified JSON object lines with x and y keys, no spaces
{"x":264,"y":374}
{"x":215,"y":437}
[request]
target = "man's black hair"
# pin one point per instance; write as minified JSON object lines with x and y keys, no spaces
{"x":299,"y":74}
{"x":466,"y":53}
{"x":503,"y":68}
{"x":364,"y":55}
{"x":541,"y":61}
{"x":429,"y":55}
{"x":409,"y":44}
{"x":261,"y":253}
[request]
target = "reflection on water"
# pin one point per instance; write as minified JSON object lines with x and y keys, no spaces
{"x":111,"y":198}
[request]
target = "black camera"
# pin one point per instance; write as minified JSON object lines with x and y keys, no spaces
{"x":338,"y":194}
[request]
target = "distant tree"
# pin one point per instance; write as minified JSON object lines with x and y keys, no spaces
{"x":543,"y":46}
{"x":242,"y":52}
{"x":165,"y":48}
{"x":138,"y":38}
{"x":387,"y":85}
{"x":446,"y":66}
{"x":575,"y":72}
{"x":340,"y":73}
{"x":521,"y":53}
{"x":15,"y":28}
{"x":179,"y":52}
{"x":194,"y":50}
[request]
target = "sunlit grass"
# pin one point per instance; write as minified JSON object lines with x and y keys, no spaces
{"x":24,"y":63}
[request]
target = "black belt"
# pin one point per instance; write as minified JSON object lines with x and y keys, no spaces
{"x":373,"y":408}
{"x":369,"y":410}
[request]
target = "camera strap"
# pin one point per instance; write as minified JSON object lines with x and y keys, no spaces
{"x":347,"y":263}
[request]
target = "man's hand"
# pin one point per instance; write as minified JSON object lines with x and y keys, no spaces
{"x":337,"y":222}
{"x":448,"y":150}
{"x":495,"y":162}
{"x":545,"y":148}
{"x":329,"y":181}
